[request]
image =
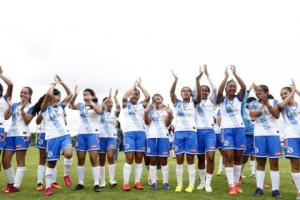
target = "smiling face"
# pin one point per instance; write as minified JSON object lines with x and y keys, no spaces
{"x":109,"y":104}
{"x":157,"y":100}
{"x":231,"y":88}
{"x":186,"y":93}
{"x":87,"y":97}
{"x":25,"y":94}
{"x":260,"y":92}
{"x":285,"y":92}
{"x":204,"y":91}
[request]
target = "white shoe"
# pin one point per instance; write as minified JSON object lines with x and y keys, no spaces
{"x":102,"y":184}
{"x":208,"y":188}
{"x":201,"y":186}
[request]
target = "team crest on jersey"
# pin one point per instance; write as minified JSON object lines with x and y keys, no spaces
{"x":175,"y":148}
{"x":226,"y":143}
{"x":290,"y":150}
{"x":148,"y":150}
{"x":256,"y":149}
{"x":49,"y":154}
{"x":40,"y":142}
{"x":126,"y":146}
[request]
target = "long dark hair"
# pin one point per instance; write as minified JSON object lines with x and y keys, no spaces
{"x":93,"y":93}
{"x":30,"y":92}
{"x":37,"y":106}
{"x":266,"y":90}
{"x":1,"y":90}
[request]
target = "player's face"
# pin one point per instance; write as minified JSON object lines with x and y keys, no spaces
{"x":259,"y":92}
{"x":186,"y":93}
{"x":87,"y":97}
{"x":109,"y":104}
{"x":25,"y":94}
{"x":204,"y":92}
{"x":56,"y":99}
{"x":157,"y":100}
{"x":284,"y":93}
{"x":134,"y":96}
{"x":231,"y":88}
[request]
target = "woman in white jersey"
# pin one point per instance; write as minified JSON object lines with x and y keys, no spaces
{"x":57,"y":135}
{"x":265,"y":112}
{"x":185,"y":141}
{"x":233,"y":129}
{"x":87,"y":138}
{"x":158,"y":117}
{"x":17,"y":139}
{"x":108,"y":137}
{"x":206,"y":137}
{"x":134,"y":133}
{"x":291,"y":116}
{"x":4,"y":105}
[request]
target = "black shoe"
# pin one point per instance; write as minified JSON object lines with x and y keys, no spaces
{"x":258,"y":192}
{"x":276,"y":194}
{"x":97,"y":188}
{"x":78,"y":187}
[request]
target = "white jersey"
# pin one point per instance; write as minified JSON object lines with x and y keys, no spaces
{"x":3,"y":107}
{"x":185,"y":119}
{"x":18,"y":126}
{"x":108,"y":123}
{"x":89,"y":120}
{"x":134,"y":117}
{"x":291,"y":116}
{"x":157,"y":127}
{"x":205,"y":114}
{"x":231,"y":112}
{"x":265,"y":124}
{"x":54,"y":117}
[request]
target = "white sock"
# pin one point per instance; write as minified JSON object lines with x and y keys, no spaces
{"x":221,"y":166}
{"x":152,"y":173}
{"x":80,"y":174}
{"x":126,"y":172}
{"x":237,"y":169}
{"x":10,"y":175}
{"x":208,"y":179}
{"x":275,"y":179}
{"x":49,"y":176}
{"x":67,"y":166}
{"x":260,"y":179}
{"x":19,"y":176}
{"x":40,"y":173}
{"x":179,"y":173}
{"x":54,"y":175}
{"x":252,"y":166}
{"x":229,"y":175}
{"x":96,"y":174}
{"x":138,"y":172}
{"x":165,"y":173}
{"x":202,"y":175}
{"x":192,"y":174}
{"x":102,"y":174}
{"x":296,"y":179}
{"x":111,"y":172}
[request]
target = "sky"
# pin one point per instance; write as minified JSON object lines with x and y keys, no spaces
{"x":108,"y":44}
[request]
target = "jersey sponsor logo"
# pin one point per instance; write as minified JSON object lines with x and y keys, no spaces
{"x":49,"y":154}
{"x":290,"y":150}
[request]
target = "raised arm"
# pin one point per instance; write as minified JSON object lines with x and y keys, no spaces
{"x":72,"y":104}
{"x":198,"y":86}
{"x":222,"y":87}
{"x":8,"y":112}
{"x":27,"y":117}
{"x":173,"y":89}
{"x":144,"y":91}
{"x":287,"y":100}
{"x":8,"y":82}
{"x":169,"y":119}
{"x":67,"y":89}
{"x":147,"y":110}
{"x":296,"y":89}
{"x":242,"y":91}
{"x":127,"y":95}
{"x":47,"y":100}
{"x":39,"y":119}
{"x":118,"y":107}
{"x":212,"y":85}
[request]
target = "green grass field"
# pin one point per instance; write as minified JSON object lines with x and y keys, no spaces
{"x":219,"y":185}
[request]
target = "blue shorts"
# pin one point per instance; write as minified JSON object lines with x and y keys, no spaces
{"x":41,"y":142}
{"x":135,"y":141}
{"x":219,"y":144}
{"x":16,"y":143}
{"x":185,"y":142}
{"x":158,"y":147}
{"x":267,"y":147}
{"x":292,"y":148}
{"x":87,"y":142}
{"x":2,"y":139}
{"x":233,"y":138}
{"x":56,"y":145}
{"x":106,"y":144}
{"x":249,"y":146}
{"x":206,"y":139}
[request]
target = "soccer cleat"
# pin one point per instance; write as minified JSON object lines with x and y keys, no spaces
{"x":68,"y":181}
{"x":113,"y":183}
{"x":126,"y":187}
{"x":258,"y":192}
{"x":9,"y":185}
{"x":276,"y":194}
{"x":238,"y":188}
{"x":166,"y":186}
{"x":78,"y":187}
{"x":102,"y":184}
{"x":208,"y":188}
{"x":138,"y":186}
{"x":39,"y":187}
{"x":189,"y":189}
{"x":178,"y":188}
{"x":97,"y":188}
{"x":48,"y":191}
{"x":55,"y":186}
{"x":232,"y":191}
{"x":201,"y":186}
{"x":154,"y":186}
{"x":12,"y":189}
